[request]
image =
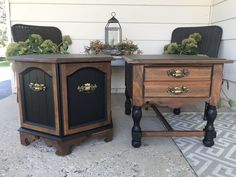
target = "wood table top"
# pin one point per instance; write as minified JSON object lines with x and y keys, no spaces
{"x":170,"y":59}
{"x":61,"y":58}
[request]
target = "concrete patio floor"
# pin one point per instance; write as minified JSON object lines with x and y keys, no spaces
{"x":5,"y":82}
{"x":158,"y":157}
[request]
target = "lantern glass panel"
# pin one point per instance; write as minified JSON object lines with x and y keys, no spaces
{"x":113,"y":35}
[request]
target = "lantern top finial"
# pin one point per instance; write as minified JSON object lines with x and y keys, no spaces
{"x":113,"y":19}
{"x":113,"y":14}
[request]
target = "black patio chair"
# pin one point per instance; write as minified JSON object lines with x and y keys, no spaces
{"x":21,"y":32}
{"x":211,"y":38}
{"x":209,"y":45}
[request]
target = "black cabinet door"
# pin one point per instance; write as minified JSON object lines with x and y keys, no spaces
{"x":37,"y":99}
{"x":86,"y":97}
{"x":86,"y":94}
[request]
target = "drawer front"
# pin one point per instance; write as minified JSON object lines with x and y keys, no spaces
{"x":177,"y":73}
{"x":177,"y":89}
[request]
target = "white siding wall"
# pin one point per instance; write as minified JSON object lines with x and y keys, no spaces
{"x":148,"y":23}
{"x":224,"y":15}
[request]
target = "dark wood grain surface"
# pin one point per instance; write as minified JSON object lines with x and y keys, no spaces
{"x":61,"y":58}
{"x":169,"y":59}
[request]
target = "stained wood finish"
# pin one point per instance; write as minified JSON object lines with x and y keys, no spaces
{"x":216,"y":84}
{"x":153,"y":60}
{"x":26,"y":139}
{"x":30,"y":119}
{"x":58,"y":58}
{"x":150,"y":83}
{"x":20,"y":67}
{"x":174,"y":133}
{"x":64,"y":147}
{"x":160,"y":89}
{"x":174,"y":102}
{"x":69,"y":69}
{"x":137,"y":85}
{"x":161,"y":73}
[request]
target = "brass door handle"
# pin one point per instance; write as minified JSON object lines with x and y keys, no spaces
{"x":178,"y":73}
{"x":36,"y":87}
{"x":87,"y":88}
{"x":177,"y":90}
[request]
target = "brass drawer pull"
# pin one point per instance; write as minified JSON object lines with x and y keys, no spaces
{"x":87,"y":88}
{"x":178,"y":73}
{"x":177,"y":90}
{"x":36,"y":87}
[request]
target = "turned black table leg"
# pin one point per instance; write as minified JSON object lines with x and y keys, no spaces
{"x":210,"y":132}
{"x":128,"y":104}
{"x":205,"y":111}
{"x":136,"y":130}
{"x":176,"y":111}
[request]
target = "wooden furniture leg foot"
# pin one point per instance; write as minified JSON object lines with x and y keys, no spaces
{"x":108,"y":139}
{"x":63,"y":150}
{"x":210,"y":132}
{"x":26,"y":139}
{"x":136,"y":130}
{"x":108,"y":136}
{"x":176,"y":111}
{"x":146,"y":106}
{"x":128,"y":104}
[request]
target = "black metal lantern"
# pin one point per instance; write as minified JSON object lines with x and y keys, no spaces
{"x":113,"y":32}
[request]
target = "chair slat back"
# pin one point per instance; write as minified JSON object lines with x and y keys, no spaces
{"x":21,"y":32}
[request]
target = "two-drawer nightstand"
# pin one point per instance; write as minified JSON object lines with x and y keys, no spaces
{"x":173,"y":81}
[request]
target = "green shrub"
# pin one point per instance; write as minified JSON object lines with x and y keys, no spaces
{"x":188,"y":46}
{"x":36,"y":45}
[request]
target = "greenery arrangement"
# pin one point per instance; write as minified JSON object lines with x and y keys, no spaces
{"x":188,"y":46}
{"x":36,"y":45}
{"x":95,"y":47}
{"x":126,"y":47}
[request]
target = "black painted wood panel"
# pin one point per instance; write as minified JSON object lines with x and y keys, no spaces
{"x":85,"y":108}
{"x":38,"y":107}
{"x":129,"y":78}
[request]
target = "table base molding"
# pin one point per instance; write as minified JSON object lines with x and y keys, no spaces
{"x":64,"y":145}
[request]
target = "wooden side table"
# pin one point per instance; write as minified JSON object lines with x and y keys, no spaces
{"x":64,"y":99}
{"x":173,"y":81}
